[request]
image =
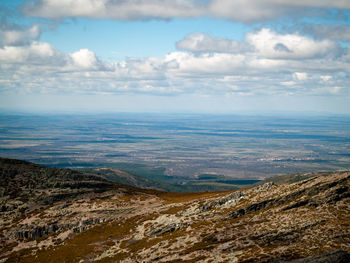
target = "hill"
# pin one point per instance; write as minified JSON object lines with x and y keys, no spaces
{"x":145,"y":177}
{"x":60,"y":215}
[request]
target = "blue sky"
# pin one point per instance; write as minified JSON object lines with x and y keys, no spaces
{"x":115,"y":40}
{"x":210,"y":56}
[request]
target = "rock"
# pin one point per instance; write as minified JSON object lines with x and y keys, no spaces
{"x":275,"y":225}
{"x":35,"y":232}
{"x":297,"y":204}
{"x":231,"y":199}
{"x":85,"y":224}
{"x":337,"y":256}
{"x":253,"y":208}
{"x":265,"y":186}
{"x":286,"y":236}
{"x":267,"y":204}
{"x":166,"y":229}
{"x":338,"y":194}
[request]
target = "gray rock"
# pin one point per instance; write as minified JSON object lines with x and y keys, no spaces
{"x":265,"y":186}
{"x":231,"y":198}
{"x":35,"y":232}
{"x":166,"y":229}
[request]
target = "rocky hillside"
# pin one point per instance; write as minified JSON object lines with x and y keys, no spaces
{"x":58,"y":215}
{"x":119,"y":176}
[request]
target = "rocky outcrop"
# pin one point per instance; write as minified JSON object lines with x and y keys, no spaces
{"x":334,"y":193}
{"x":265,"y":186}
{"x":254,"y":207}
{"x":284,"y":236}
{"x":85,"y":224}
{"x":32,"y":232}
{"x":337,"y":256}
{"x":296,"y":204}
{"x":35,"y":232}
{"x":225,"y":201}
{"x":166,"y":229}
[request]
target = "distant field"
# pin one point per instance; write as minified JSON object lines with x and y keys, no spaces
{"x":183,"y":151}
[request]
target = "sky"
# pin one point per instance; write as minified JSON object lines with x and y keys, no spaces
{"x":195,"y":56}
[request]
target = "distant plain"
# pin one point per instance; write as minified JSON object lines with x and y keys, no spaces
{"x":191,"y":152}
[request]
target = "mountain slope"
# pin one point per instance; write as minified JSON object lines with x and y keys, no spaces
{"x":119,"y":176}
{"x":24,"y":181}
{"x":307,"y":221}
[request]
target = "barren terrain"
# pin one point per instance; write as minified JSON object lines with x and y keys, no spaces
{"x":89,"y":219}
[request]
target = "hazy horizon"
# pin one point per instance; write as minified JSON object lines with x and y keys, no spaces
{"x":183,"y":146}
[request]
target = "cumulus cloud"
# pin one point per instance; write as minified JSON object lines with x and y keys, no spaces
{"x":199,"y":42}
{"x":265,"y":43}
{"x":34,"y":53}
{"x":335,"y":31}
{"x":19,"y":45}
{"x":289,"y":46}
{"x":274,"y":63}
{"x":85,"y":59}
{"x":14,"y":35}
{"x":305,"y":62}
{"x":217,"y":64}
{"x":237,"y":10}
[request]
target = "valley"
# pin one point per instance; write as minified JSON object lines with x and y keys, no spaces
{"x":178,"y":150}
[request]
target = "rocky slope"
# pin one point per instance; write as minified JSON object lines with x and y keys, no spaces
{"x":58,"y":215}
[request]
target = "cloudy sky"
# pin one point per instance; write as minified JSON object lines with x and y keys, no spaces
{"x":217,"y":56}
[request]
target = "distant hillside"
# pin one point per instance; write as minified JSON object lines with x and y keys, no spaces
{"x":60,"y":215}
{"x":146,"y":177}
{"x":28,"y":182}
{"x":119,"y":176}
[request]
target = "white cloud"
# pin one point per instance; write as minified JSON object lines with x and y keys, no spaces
{"x":205,"y":43}
{"x":250,"y":11}
{"x":270,"y":44}
{"x":120,"y":10}
{"x":288,"y":83}
{"x":15,"y":35}
{"x":36,"y":52}
{"x":209,"y":67}
{"x":300,"y":76}
{"x":245,"y":11}
{"x":264,"y":43}
{"x":326,"y":78}
{"x":237,"y":10}
{"x":217,"y":63}
{"x":333,"y":90}
{"x":334,"y":31}
{"x":84,"y":59}
{"x":58,"y":8}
